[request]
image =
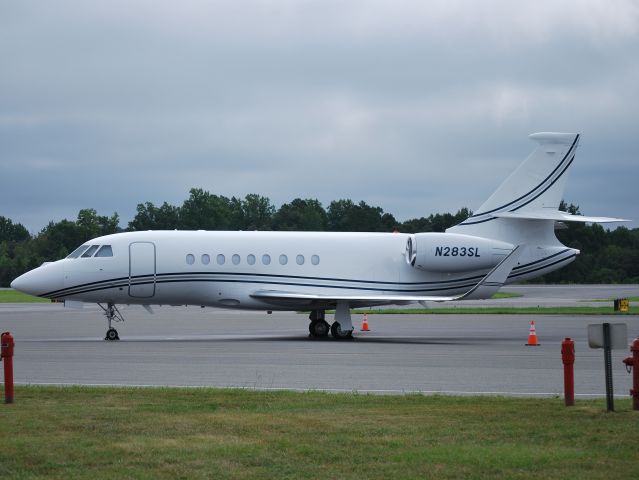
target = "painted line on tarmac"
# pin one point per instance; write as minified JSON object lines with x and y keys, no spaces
{"x":327,"y":390}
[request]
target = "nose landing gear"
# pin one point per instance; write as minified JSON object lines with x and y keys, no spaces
{"x":112,"y":314}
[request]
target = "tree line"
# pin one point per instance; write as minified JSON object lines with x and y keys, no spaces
{"x":607,"y":256}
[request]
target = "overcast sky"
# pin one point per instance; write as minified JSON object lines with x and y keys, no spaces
{"x":415,"y":106}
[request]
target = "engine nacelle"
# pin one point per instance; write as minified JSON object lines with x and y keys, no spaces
{"x":452,"y":252}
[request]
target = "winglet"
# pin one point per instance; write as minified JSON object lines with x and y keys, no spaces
{"x":495,"y":279}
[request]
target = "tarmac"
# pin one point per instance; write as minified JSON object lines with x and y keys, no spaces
{"x":448,"y":354}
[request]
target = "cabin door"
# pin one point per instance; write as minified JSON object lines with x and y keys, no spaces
{"x":141,"y":269}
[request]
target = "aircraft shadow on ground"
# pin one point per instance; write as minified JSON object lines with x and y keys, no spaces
{"x":394,"y":340}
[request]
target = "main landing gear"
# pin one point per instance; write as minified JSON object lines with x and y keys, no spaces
{"x":112,"y":314}
{"x":340,"y":334}
{"x":341,"y":329}
{"x":318,"y":327}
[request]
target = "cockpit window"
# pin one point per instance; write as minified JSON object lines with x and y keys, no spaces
{"x":90,"y":251}
{"x":105,"y":251}
{"x":76,"y":253}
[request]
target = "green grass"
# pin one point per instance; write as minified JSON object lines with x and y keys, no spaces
{"x":506,"y":295}
{"x":500,"y":310}
{"x":159,"y":433}
{"x":13,"y":296}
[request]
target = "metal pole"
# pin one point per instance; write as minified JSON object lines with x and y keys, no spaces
{"x":610,"y":402}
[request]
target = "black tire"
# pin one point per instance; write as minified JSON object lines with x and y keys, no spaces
{"x":112,"y":334}
{"x":319,"y":328}
{"x":338,"y":333}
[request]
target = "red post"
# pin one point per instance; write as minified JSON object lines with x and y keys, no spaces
{"x":633,"y":362}
{"x":6,"y":354}
{"x":568,"y":357}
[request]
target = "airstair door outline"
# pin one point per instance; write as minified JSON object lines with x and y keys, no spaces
{"x":142,"y":269}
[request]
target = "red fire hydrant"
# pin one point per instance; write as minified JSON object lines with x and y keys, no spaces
{"x":6,"y":354}
{"x":568,"y":357}
{"x":634,"y":362}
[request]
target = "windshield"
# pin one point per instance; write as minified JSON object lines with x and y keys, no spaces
{"x":87,"y":251}
{"x":78,"y":251}
{"x":105,"y":251}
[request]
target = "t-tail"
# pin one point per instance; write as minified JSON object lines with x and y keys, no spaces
{"x":524,"y":209}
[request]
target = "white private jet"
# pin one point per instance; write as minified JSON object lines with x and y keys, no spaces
{"x":510,"y":238}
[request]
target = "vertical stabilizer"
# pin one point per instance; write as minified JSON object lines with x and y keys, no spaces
{"x":536,"y":185}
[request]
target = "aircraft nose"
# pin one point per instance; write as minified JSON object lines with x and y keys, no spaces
{"x":17,"y":283}
{"x":39,"y":281}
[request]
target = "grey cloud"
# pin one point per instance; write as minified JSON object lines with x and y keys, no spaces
{"x":414,"y":106}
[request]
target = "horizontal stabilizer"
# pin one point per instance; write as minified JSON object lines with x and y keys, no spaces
{"x":557,"y":215}
{"x":486,"y":288}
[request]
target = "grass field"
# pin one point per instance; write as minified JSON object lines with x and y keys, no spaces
{"x":507,"y":295}
{"x":13,"y":296}
{"x":97,"y":433}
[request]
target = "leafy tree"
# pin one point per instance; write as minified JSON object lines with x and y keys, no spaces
{"x":12,"y":232}
{"x":150,"y":217}
{"x":257,"y":212}
{"x":301,"y":215}
{"x":435,"y":223}
{"x":606,"y":256}
{"x":345,"y":216}
{"x":93,"y":225}
{"x":58,"y":239}
{"x":205,"y":211}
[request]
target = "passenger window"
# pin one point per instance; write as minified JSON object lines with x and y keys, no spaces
{"x":315,"y":260}
{"x":283,"y":259}
{"x":250,"y":259}
{"x":190,"y":259}
{"x":300,"y":259}
{"x":206,"y":259}
{"x":105,"y":251}
{"x":235,"y":259}
{"x":76,"y":253}
{"x":221,"y":259}
{"x":266,"y":259}
{"x":90,"y":251}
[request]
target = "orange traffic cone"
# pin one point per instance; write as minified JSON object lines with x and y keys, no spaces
{"x":532,"y":335}
{"x":365,"y":323}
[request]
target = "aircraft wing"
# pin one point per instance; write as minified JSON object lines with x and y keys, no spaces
{"x":485,"y":288}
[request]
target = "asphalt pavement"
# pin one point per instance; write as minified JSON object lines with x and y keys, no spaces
{"x":191,"y":346}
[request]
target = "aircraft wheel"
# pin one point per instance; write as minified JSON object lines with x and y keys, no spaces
{"x":319,"y":328}
{"x":338,"y":333}
{"x":112,"y":334}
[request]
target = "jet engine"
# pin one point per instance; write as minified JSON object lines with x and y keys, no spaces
{"x":451,"y":252}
